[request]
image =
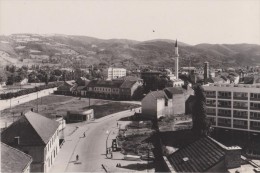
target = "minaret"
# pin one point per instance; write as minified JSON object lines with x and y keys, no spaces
{"x":176,"y":60}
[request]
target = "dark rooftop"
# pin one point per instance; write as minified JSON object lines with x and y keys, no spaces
{"x":198,"y":156}
{"x":13,"y":160}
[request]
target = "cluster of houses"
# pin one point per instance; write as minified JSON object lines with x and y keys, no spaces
{"x":122,"y":88}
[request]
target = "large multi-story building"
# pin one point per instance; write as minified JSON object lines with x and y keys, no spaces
{"x":234,"y":106}
{"x":113,"y":73}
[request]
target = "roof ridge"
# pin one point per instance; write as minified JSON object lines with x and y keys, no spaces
{"x":34,"y":128}
{"x":16,"y":150}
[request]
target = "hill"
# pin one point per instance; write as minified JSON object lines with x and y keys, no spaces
{"x":68,"y":50}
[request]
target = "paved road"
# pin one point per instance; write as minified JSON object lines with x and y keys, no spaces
{"x":91,"y":148}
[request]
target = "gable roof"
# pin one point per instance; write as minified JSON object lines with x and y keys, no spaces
{"x":127,"y":84}
{"x":199,"y":156}
{"x":32,"y":128}
{"x":104,"y":83}
{"x":158,"y":94}
{"x":170,"y":91}
{"x":13,"y":160}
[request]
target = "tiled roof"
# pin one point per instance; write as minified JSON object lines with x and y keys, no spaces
{"x":103,"y":83}
{"x":32,"y":128}
{"x":130,"y":78}
{"x":198,"y":156}
{"x":158,"y":94}
{"x":13,"y":160}
{"x":170,"y":91}
{"x":127,"y":84}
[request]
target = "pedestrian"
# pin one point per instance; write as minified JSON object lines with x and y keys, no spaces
{"x":84,"y":134}
{"x":117,"y":124}
{"x":77,"y":157}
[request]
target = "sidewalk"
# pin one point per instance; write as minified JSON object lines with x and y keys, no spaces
{"x":66,"y":154}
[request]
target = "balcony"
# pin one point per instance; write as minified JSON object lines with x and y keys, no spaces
{"x":254,"y":99}
{"x":224,"y":124}
{"x":224,"y":97}
{"x":224,"y":106}
{"x":240,"y":107}
{"x":255,"y":128}
{"x":240,"y":98}
{"x":240,"y":126}
{"x":224,"y":115}
{"x":211,"y":113}
{"x":240,"y":116}
{"x":210,"y":96}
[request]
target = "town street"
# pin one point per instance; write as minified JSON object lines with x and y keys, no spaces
{"x":91,"y":148}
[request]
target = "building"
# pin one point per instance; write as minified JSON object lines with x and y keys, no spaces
{"x":156,"y":104}
{"x":113,"y":73}
{"x":65,"y":88}
{"x":104,"y":89}
{"x":208,"y":155}
{"x":13,"y":160}
{"x":167,"y":102}
{"x":36,"y":136}
{"x":79,"y":116}
{"x":112,"y":89}
{"x":128,"y":88}
{"x":233,"y":106}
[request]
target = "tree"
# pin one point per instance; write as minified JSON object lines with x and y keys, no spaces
{"x":201,"y":124}
{"x":3,"y":76}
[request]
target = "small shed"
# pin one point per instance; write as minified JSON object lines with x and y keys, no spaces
{"x":79,"y":116}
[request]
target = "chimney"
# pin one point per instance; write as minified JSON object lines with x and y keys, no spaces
{"x":233,"y":157}
{"x":206,"y":72}
{"x":17,"y":140}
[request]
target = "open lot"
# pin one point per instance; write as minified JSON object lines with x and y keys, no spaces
{"x":53,"y":105}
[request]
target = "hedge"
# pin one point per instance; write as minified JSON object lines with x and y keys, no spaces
{"x":10,"y":95}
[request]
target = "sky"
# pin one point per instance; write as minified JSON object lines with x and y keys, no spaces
{"x":190,"y":21}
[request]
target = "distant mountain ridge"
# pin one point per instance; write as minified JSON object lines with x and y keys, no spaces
{"x":66,"y":50}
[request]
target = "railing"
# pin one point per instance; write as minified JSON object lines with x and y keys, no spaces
{"x":224,"y":115}
{"x":224,"y":124}
{"x":240,"y":116}
{"x":254,"y":128}
{"x":224,"y":97}
{"x":240,"y":107}
{"x":240,"y":126}
{"x":240,"y":98}
{"x":254,"y":99}
{"x":224,"y":106}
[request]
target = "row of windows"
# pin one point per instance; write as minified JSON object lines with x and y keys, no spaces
{"x":236,"y":113}
{"x":52,"y":140}
{"x":236,"y":123}
{"x":237,"y":95}
{"x":105,"y":89}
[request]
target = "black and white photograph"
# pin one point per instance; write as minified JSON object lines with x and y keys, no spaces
{"x":167,"y":86}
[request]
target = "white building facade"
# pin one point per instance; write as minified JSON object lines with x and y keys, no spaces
{"x":114,"y":73}
{"x":234,"y":106}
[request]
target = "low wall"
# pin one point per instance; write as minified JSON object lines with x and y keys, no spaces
{"x":4,"y":104}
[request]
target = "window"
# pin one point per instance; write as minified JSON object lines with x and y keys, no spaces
{"x":165,"y":102}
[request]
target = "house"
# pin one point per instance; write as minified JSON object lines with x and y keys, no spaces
{"x":13,"y":160}
{"x":167,"y":102}
{"x":65,"y":88}
{"x":79,"y":116}
{"x":156,"y":105}
{"x":36,"y":136}
{"x":128,"y":88}
{"x":208,"y":155}
{"x":22,"y":82}
{"x":104,"y":89}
